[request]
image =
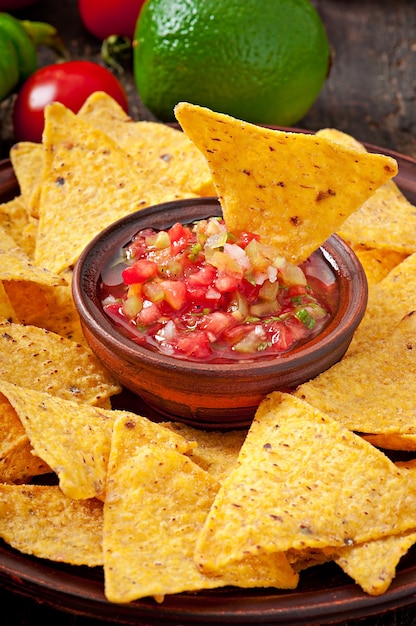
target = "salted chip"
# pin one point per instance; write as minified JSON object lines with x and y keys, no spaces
{"x":27,"y":160}
{"x":289,"y":489}
{"x":16,"y":265}
{"x":387,"y":220}
{"x":40,"y":520}
{"x":38,"y":359}
{"x":163,"y":149}
{"x":293,"y":189}
{"x":333,"y":134}
{"x":372,"y":391}
{"x":72,"y":438}
{"x":373,"y":564}
{"x":377,"y":264}
{"x":215,"y":451}
{"x":393,"y":441}
{"x":88,"y":182}
{"x":7,"y":312}
{"x":168,"y":496}
{"x":18,"y":463}
{"x":19,"y":224}
{"x":388,"y":301}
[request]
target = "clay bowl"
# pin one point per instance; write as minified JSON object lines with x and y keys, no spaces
{"x":208,"y":395}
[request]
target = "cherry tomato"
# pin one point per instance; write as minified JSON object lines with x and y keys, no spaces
{"x":69,"y":83}
{"x":103,"y":18}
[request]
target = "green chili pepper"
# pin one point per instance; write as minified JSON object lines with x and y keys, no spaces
{"x":18,"y":49}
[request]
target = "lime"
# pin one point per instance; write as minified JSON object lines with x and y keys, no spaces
{"x":261,"y":61}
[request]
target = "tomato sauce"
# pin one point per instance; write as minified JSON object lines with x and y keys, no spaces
{"x":198,"y":292}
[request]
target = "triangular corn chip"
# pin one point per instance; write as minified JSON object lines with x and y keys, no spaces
{"x":168,"y":496}
{"x":293,"y":189}
{"x":42,"y":521}
{"x":89,"y":181}
{"x":372,"y":391}
{"x":303,"y":481}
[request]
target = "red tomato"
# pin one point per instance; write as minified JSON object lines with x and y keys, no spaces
{"x":69,"y":83}
{"x":103,"y":18}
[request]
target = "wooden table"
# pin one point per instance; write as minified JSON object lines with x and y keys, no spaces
{"x":370,"y":93}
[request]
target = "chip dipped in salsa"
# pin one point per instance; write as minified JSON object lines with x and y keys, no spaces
{"x":200,"y":293}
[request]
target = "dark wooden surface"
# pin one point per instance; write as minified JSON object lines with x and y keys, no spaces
{"x":370,"y":93}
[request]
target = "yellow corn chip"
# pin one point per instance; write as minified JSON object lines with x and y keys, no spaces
{"x":7,"y":312}
{"x":40,"y":520}
{"x":161,"y":148}
{"x":88,"y":183}
{"x":293,"y":189}
{"x":16,"y":265}
{"x":377,"y":263}
{"x":393,"y":441}
{"x":303,"y":481}
{"x":387,"y":220}
{"x":216,"y":452}
{"x":371,"y":391}
{"x":168,"y":496}
{"x":373,"y":564}
{"x":38,"y":359}
{"x":72,"y":438}
{"x":19,"y":224}
{"x":388,"y":301}
{"x":27,"y":161}
{"x":18,"y":463}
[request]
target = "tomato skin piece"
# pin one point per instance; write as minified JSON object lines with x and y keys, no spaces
{"x":103,"y":18}
{"x":141,"y":271}
{"x":70,"y":83}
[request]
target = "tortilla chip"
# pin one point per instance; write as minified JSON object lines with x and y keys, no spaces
{"x":388,"y":301}
{"x":39,"y":359}
{"x":72,"y":439}
{"x":393,"y":441}
{"x":40,"y":520}
{"x":293,"y":189}
{"x":377,"y":263}
{"x":158,"y":147}
{"x":333,"y":134}
{"x":7,"y":312}
{"x":18,"y":463}
{"x":27,"y":161}
{"x":16,"y":265}
{"x":373,"y":391}
{"x":373,"y":564}
{"x":18,"y":223}
{"x":168,"y":496}
{"x":216,"y":452}
{"x":88,"y":183}
{"x":289,"y":489}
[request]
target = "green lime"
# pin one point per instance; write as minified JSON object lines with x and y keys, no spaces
{"x":261,"y":61}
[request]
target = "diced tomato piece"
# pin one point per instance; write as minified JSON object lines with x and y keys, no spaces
{"x":249,"y":290}
{"x":245,"y":238}
{"x":149,"y":314}
{"x":140,"y":272}
{"x":179,"y":236}
{"x":216,"y":322}
{"x":282,"y":336}
{"x":175,"y":293}
{"x":204,"y":276}
{"x":226,"y":283}
{"x":195,"y":344}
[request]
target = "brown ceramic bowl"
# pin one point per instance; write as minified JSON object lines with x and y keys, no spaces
{"x":206,"y":394}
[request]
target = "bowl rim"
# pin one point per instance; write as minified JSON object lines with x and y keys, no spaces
{"x":335,"y":252}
